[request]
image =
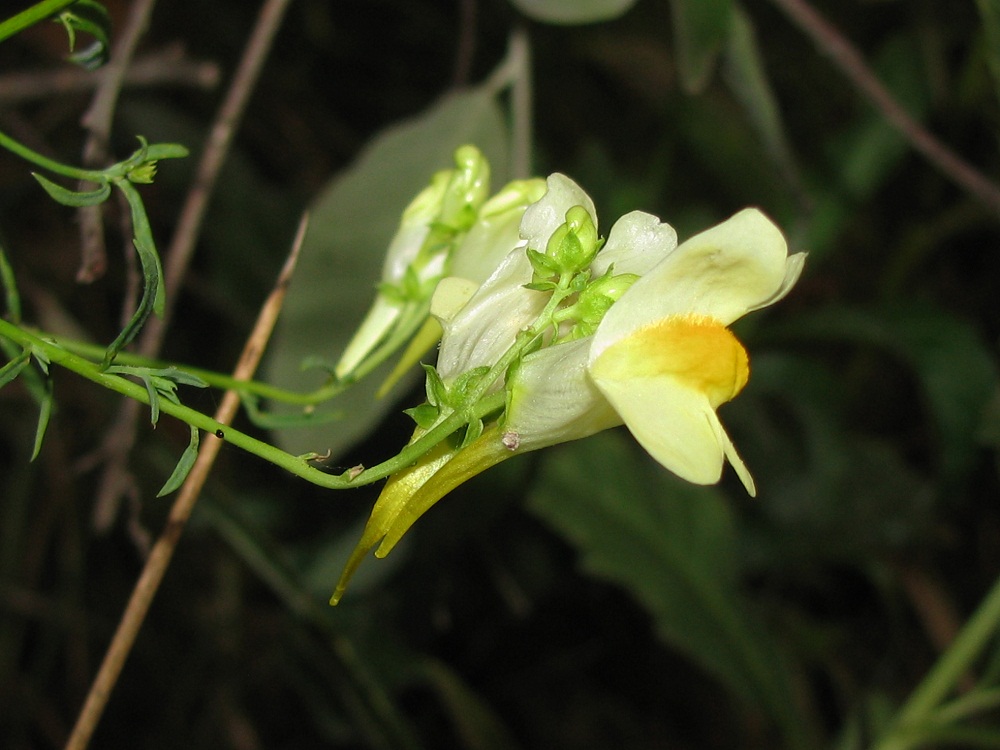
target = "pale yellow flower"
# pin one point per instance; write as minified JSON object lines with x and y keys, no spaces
{"x":661,"y":361}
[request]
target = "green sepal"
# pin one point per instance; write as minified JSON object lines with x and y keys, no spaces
{"x":465,"y":383}
{"x":437,"y":392}
{"x":541,"y":286}
{"x":73,"y":198}
{"x":183,"y":467}
{"x":424,"y":415}
{"x":543,"y":266}
{"x":472,"y":432}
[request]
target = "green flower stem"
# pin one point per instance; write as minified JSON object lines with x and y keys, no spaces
{"x":297,"y":465}
{"x":27,"y":18}
{"x":214,"y":379}
{"x":941,"y":680}
{"x":51,"y":165}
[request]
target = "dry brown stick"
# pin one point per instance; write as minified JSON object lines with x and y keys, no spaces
{"x":216,"y":149}
{"x":178,"y":256}
{"x":852,"y":64}
{"x":162,"y":552}
{"x":167,"y":67}
{"x":97,"y":120}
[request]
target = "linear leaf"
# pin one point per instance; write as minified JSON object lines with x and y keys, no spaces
{"x":183,"y":467}
{"x":44,"y":413}
{"x":73,"y":198}
{"x":13,"y":368}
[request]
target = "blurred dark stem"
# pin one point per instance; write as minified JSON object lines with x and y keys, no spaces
{"x":178,"y":256}
{"x":165,"y":67}
{"x":464,"y":54}
{"x":844,"y":55}
{"x":97,"y":121}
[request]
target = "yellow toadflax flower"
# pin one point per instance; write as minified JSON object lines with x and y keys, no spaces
{"x":658,"y":355}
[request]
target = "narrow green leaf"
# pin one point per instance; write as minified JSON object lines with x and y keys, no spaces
{"x":701,"y":28}
{"x":573,"y":11}
{"x":44,"y":413}
{"x":73,"y":198}
{"x":153,"y":294}
{"x":13,"y":368}
{"x":154,"y":400}
{"x":743,"y":70}
{"x":90,"y":18}
{"x":9,"y":284}
{"x":183,"y":467}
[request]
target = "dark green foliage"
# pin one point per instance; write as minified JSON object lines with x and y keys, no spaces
{"x":575,"y":598}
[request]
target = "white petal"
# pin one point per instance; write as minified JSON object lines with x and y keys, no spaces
{"x":496,"y":231}
{"x":546,"y":215}
{"x":486,"y":327}
{"x":793,"y":269}
{"x":675,"y":423}
{"x":636,"y":243}
{"x":721,"y":273}
{"x":553,"y":400}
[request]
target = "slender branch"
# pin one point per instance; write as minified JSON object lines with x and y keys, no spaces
{"x":178,"y":255}
{"x":216,"y":149}
{"x":168,"y":67}
{"x":851,"y":63}
{"x":162,"y":552}
{"x":97,"y":120}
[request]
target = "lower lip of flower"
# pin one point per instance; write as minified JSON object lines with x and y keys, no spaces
{"x":697,"y":350}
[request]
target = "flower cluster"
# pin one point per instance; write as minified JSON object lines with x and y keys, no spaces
{"x":570,"y":335}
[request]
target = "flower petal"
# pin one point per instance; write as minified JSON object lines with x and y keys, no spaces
{"x":496,"y":230}
{"x":553,"y":400}
{"x":636,"y":243}
{"x":488,"y":324}
{"x":674,"y":423}
{"x":721,"y":273}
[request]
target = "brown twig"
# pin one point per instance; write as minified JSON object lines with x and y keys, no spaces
{"x":167,"y":67}
{"x":97,"y":120}
{"x":846,"y":57}
{"x":162,"y":552}
{"x":189,"y":223}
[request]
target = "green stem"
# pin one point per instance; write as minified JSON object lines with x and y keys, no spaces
{"x":297,"y":465}
{"x":946,"y":673}
{"x":51,"y":165}
{"x":27,"y":18}
{"x":214,"y":379}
